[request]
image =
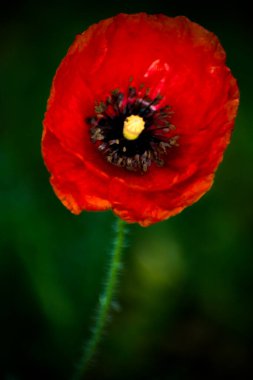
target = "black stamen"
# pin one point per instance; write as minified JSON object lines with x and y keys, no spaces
{"x":106,"y":129}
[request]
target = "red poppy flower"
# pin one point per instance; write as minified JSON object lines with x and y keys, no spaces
{"x":140,"y":112}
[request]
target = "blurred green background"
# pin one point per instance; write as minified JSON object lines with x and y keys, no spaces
{"x":185,"y":294}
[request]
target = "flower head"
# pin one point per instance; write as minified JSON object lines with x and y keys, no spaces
{"x":140,"y":112}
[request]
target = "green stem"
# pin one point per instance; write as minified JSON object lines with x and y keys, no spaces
{"x":105,"y":302}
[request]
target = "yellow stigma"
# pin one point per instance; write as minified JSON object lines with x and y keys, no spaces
{"x":133,"y":126}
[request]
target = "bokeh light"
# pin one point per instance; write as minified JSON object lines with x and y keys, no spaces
{"x":185,"y":294}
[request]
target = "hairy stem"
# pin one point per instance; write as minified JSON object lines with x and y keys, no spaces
{"x":105,"y":301}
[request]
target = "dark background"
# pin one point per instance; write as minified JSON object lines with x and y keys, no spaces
{"x":185,"y":293}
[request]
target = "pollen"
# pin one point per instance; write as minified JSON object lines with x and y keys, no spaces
{"x":131,"y":130}
{"x":133,"y":126}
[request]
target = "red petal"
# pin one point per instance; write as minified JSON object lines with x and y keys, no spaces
{"x":172,"y":55}
{"x":150,"y":207}
{"x":72,"y":181}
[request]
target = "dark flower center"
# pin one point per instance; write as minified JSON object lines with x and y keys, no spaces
{"x":131,"y":130}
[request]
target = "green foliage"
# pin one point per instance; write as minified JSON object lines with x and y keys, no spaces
{"x":186,"y":287}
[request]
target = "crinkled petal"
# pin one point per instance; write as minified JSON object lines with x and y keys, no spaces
{"x":75,"y":185}
{"x":172,"y":56}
